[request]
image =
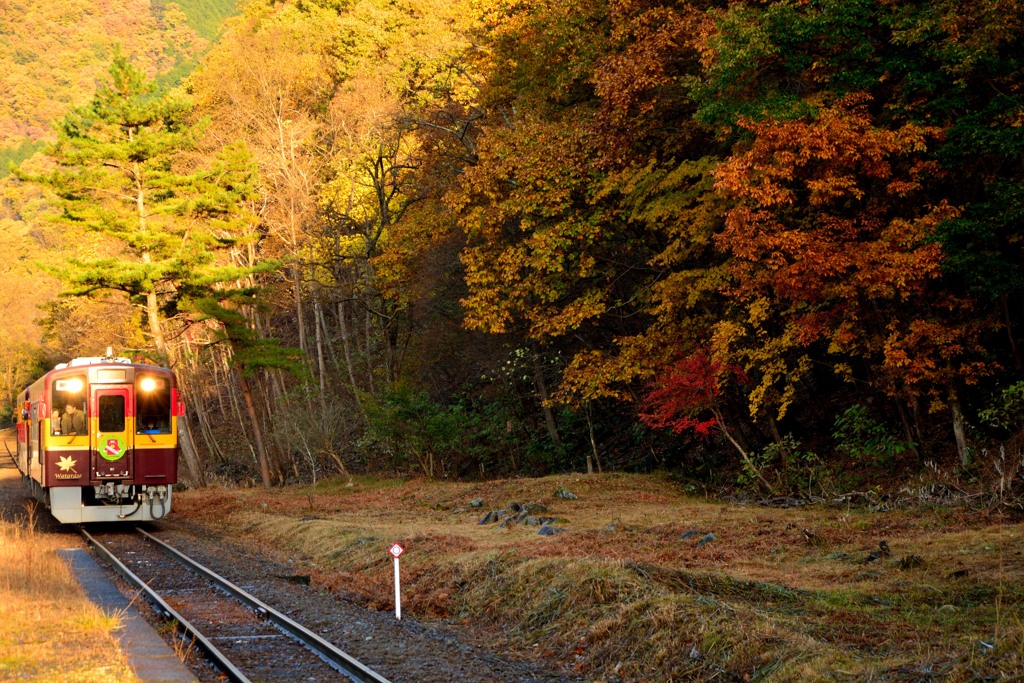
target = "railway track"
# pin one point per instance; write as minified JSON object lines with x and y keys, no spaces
{"x":244,"y":638}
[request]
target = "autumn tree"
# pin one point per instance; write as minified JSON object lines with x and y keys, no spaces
{"x":660,"y":163}
{"x":265,"y":85}
{"x":853,"y":207}
{"x":400,"y":128}
{"x":689,"y":397}
{"x":828,"y":233}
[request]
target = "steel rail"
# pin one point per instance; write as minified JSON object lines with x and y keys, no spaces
{"x":14,"y":458}
{"x":322,"y":648}
{"x":211,"y":650}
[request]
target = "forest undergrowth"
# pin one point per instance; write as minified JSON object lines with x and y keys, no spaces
{"x":642,"y":580}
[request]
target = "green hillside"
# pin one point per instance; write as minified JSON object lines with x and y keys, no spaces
{"x":17,"y":153}
{"x":205,"y":17}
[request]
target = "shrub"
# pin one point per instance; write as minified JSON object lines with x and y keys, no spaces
{"x":864,"y":439}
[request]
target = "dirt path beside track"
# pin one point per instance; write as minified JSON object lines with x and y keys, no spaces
{"x":16,"y":502}
{"x":14,"y":496}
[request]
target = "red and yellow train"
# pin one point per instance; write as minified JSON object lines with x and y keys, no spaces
{"x":98,"y":440}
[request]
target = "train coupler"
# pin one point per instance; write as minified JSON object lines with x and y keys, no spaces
{"x":113,"y":492}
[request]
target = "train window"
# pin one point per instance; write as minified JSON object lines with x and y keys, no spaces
{"x":153,"y":405}
{"x":69,"y":416}
{"x":111,"y":413}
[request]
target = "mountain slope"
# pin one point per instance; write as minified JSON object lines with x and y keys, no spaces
{"x":51,"y":54}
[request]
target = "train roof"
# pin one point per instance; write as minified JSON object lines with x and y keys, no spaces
{"x":93,"y":367}
{"x":93,"y":360}
{"x":90,"y":365}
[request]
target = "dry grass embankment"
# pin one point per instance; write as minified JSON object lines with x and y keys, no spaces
{"x":779,"y":595}
{"x":49,"y":630}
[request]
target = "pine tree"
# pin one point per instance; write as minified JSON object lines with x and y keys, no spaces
{"x":115,"y":172}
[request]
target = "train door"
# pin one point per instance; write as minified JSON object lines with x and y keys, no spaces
{"x":111,"y":441}
{"x":35,"y":445}
{"x":25,"y":439}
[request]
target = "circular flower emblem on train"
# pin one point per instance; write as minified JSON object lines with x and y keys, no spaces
{"x":114,"y":449}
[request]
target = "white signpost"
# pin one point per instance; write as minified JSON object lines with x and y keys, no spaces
{"x":396,"y":551}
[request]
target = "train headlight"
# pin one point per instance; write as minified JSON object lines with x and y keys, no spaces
{"x":148,"y":384}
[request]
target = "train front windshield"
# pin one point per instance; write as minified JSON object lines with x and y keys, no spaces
{"x":69,"y":415}
{"x":153,"y":405}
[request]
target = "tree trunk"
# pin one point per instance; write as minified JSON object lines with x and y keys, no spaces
{"x":193,"y":367}
{"x":153,"y":316}
{"x":347,"y":350}
{"x":152,"y":302}
{"x":187,"y":447}
{"x":299,"y":316}
{"x":205,"y":428}
{"x":959,"y":431}
{"x":908,"y":429}
{"x":273,"y":446}
{"x":593,"y":442}
{"x":368,"y":332}
{"x":542,"y":393}
{"x":237,"y":409}
{"x":214,"y":363}
{"x":319,"y":348}
{"x":261,"y":449}
{"x":329,"y":347}
{"x":773,"y":425}
{"x":1009,"y":330}
{"x":720,"y":418}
